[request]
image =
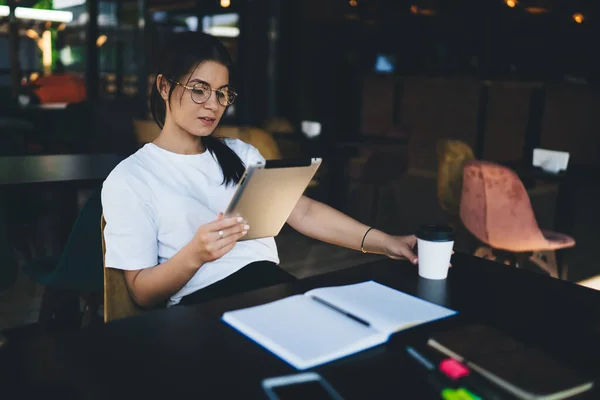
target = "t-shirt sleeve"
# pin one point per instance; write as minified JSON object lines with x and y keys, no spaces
{"x":250,"y":154}
{"x":130,"y":233}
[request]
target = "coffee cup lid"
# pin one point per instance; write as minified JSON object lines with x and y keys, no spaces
{"x":436,"y":233}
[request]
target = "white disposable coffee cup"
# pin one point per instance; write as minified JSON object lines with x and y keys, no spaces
{"x":434,"y":243}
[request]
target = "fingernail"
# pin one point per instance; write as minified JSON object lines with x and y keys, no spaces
{"x":415,"y":260}
{"x":247,"y":227}
{"x":244,"y":232}
{"x":240,"y":219}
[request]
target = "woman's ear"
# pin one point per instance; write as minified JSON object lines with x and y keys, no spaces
{"x":162,"y":84}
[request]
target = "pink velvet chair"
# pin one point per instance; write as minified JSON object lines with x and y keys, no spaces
{"x":496,"y":209}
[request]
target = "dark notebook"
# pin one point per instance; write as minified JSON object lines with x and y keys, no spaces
{"x":524,"y":371}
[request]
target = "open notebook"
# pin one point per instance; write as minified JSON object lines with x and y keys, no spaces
{"x":333,"y":322}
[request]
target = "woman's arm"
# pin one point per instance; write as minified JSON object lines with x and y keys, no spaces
{"x":324,"y":223}
{"x":150,"y":286}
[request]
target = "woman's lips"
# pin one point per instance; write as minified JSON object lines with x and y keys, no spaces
{"x":207,"y":121}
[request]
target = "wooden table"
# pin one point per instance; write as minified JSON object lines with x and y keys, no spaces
{"x":188,"y":352}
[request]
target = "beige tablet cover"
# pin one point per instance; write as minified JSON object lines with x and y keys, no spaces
{"x":266,"y":196}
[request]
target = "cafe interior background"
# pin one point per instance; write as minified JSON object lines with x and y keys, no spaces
{"x":394,"y":95}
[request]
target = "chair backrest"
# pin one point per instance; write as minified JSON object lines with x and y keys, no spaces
{"x":60,"y":88}
{"x":438,"y":108}
{"x":452,"y":156}
{"x":145,"y":130}
{"x":278,"y":125}
{"x":496,"y":209}
{"x":80,"y":264}
{"x":259,"y":138}
{"x":117,"y":301}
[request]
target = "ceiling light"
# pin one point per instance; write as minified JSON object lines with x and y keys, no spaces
{"x":43,"y":15}
{"x":223,"y":31}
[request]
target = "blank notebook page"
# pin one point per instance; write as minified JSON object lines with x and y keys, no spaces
{"x":302,"y":331}
{"x":387,"y":309}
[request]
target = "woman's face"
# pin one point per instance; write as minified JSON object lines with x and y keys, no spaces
{"x":197,"y":119}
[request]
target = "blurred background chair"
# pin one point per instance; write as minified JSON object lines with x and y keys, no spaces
{"x":496,"y":209}
{"x":370,"y":176}
{"x":146,"y":130}
{"x":278,"y":125}
{"x":257,"y":137}
{"x":452,"y":156}
{"x":75,"y":274}
{"x":60,"y":88}
{"x":118,"y":303}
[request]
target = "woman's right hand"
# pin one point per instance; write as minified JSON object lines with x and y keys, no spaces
{"x":215,"y":239}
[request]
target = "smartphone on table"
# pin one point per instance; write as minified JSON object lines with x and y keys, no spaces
{"x":305,"y":385}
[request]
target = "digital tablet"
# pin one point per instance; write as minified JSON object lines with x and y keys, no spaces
{"x":268,"y":192}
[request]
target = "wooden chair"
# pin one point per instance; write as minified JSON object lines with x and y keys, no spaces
{"x":118,"y":303}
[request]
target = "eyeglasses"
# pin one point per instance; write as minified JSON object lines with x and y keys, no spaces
{"x":202,"y":91}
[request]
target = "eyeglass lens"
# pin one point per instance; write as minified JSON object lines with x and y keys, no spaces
{"x":201,"y":93}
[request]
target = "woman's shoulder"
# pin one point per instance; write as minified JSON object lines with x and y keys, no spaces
{"x":238,"y":145}
{"x":128,"y":171}
{"x":246,"y":151}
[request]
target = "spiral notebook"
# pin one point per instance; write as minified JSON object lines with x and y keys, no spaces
{"x":329,"y":323}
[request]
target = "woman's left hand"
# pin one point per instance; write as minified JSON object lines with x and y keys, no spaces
{"x":401,"y":248}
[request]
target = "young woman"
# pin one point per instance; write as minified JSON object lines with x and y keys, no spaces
{"x":162,"y":205}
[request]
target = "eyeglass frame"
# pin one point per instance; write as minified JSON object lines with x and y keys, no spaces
{"x":191,"y":89}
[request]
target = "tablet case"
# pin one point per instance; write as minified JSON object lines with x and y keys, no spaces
{"x":267,"y":194}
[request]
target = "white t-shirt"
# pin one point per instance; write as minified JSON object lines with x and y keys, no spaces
{"x":154,"y":202}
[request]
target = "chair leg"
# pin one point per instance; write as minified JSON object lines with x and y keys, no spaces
{"x":86,"y":319}
{"x":484,"y":252}
{"x":91,"y":305}
{"x":516,"y":260}
{"x":562,"y":262}
{"x":59,"y":308}
{"x":546,"y":260}
{"x":488,"y":253}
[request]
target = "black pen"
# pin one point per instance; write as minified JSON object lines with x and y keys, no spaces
{"x":347,"y":314}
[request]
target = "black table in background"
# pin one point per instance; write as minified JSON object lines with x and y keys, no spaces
{"x":63,"y":174}
{"x":68,"y":169}
{"x":188,"y":352}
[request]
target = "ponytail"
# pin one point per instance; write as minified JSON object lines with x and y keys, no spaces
{"x":232,"y":166}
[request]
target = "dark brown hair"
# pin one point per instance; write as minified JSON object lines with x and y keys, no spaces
{"x":181,"y":55}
